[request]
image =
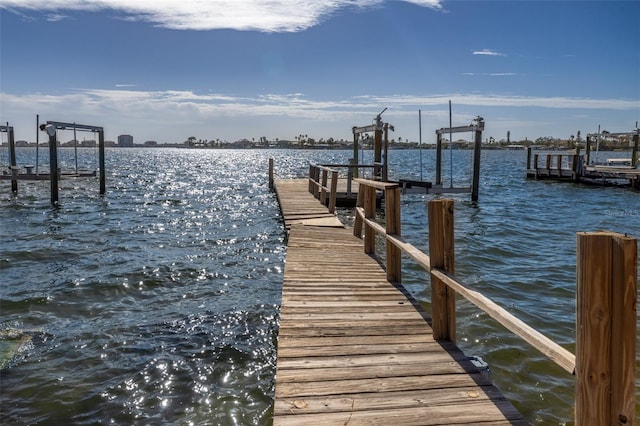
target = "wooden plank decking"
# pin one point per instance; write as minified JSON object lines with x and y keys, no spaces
{"x":354,"y":348}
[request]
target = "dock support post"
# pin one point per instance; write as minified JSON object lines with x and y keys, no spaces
{"x":439,"y":160}
{"x":355,"y":152}
{"x":394,"y":254}
{"x":634,"y":154}
{"x":385,"y":163}
{"x":441,"y":254}
{"x":377,"y":154}
{"x":588,"y":151}
{"x":53,"y":167}
{"x":103,"y":172}
{"x":270,"y":174}
{"x":369,"y":213}
{"x":529,"y":151}
{"x":606,"y":328}
{"x":477,"y":150}
{"x":13,"y":166}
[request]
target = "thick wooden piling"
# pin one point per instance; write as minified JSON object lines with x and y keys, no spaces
{"x":12,"y":159}
{"x":103,"y":173}
{"x":271,"y":174}
{"x":477,"y":151}
{"x":53,"y":167}
{"x":443,"y":298}
{"x":606,"y":329}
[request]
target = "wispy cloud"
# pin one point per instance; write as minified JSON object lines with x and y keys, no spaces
{"x":488,"y":52}
{"x":267,"y":16}
{"x":492,"y":74}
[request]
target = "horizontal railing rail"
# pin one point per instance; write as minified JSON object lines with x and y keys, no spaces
{"x":593,"y":400}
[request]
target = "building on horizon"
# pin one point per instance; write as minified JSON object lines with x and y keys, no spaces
{"x":125,"y":140}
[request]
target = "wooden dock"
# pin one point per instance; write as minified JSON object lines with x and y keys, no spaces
{"x":354,"y":348}
{"x":573,"y":168}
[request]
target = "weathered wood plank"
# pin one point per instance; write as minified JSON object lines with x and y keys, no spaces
{"x":386,"y":401}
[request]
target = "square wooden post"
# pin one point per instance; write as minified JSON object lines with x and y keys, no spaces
{"x":369,"y":213}
{"x":606,"y":328}
{"x":441,"y":254}
{"x":357,"y":224}
{"x":323,"y":191}
{"x":334,"y":191}
{"x":394,"y":254}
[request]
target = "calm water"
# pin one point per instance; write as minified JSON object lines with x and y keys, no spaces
{"x":158,"y":303}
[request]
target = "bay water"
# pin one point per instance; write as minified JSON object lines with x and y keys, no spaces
{"x":158,"y":302}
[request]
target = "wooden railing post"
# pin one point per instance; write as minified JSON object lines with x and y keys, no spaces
{"x":357,"y":223}
{"x":369,"y":213}
{"x":311,"y":175}
{"x":441,"y":253}
{"x":323,"y":185}
{"x":334,"y":190}
{"x":606,"y":328}
{"x":559,"y":165}
{"x":316,"y":179}
{"x":394,"y":254}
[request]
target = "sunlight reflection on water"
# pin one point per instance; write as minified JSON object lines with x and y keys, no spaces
{"x":159,"y":302}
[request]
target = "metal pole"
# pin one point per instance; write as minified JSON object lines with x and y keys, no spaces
{"x":37,"y":141}
{"x":450,"y":148}
{"x":75,"y":146}
{"x":420,"y":139}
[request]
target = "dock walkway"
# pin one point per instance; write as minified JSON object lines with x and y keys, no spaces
{"x":356,"y":349}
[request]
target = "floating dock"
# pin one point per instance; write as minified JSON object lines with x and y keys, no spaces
{"x":354,"y":348}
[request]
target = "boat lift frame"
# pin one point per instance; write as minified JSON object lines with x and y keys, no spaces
{"x":477,"y":126}
{"x":380,"y":163}
{"x":51,"y":128}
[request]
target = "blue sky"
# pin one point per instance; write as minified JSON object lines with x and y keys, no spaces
{"x":165,"y":70}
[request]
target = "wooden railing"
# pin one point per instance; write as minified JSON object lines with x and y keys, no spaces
{"x":566,"y":164}
{"x":318,"y":179}
{"x":377,"y":169}
{"x":604,"y":364}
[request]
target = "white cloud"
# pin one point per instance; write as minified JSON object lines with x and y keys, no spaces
{"x":259,"y":15}
{"x":167,"y":115}
{"x":488,"y":52}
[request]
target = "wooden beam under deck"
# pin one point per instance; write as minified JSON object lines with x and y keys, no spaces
{"x":356,"y":349}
